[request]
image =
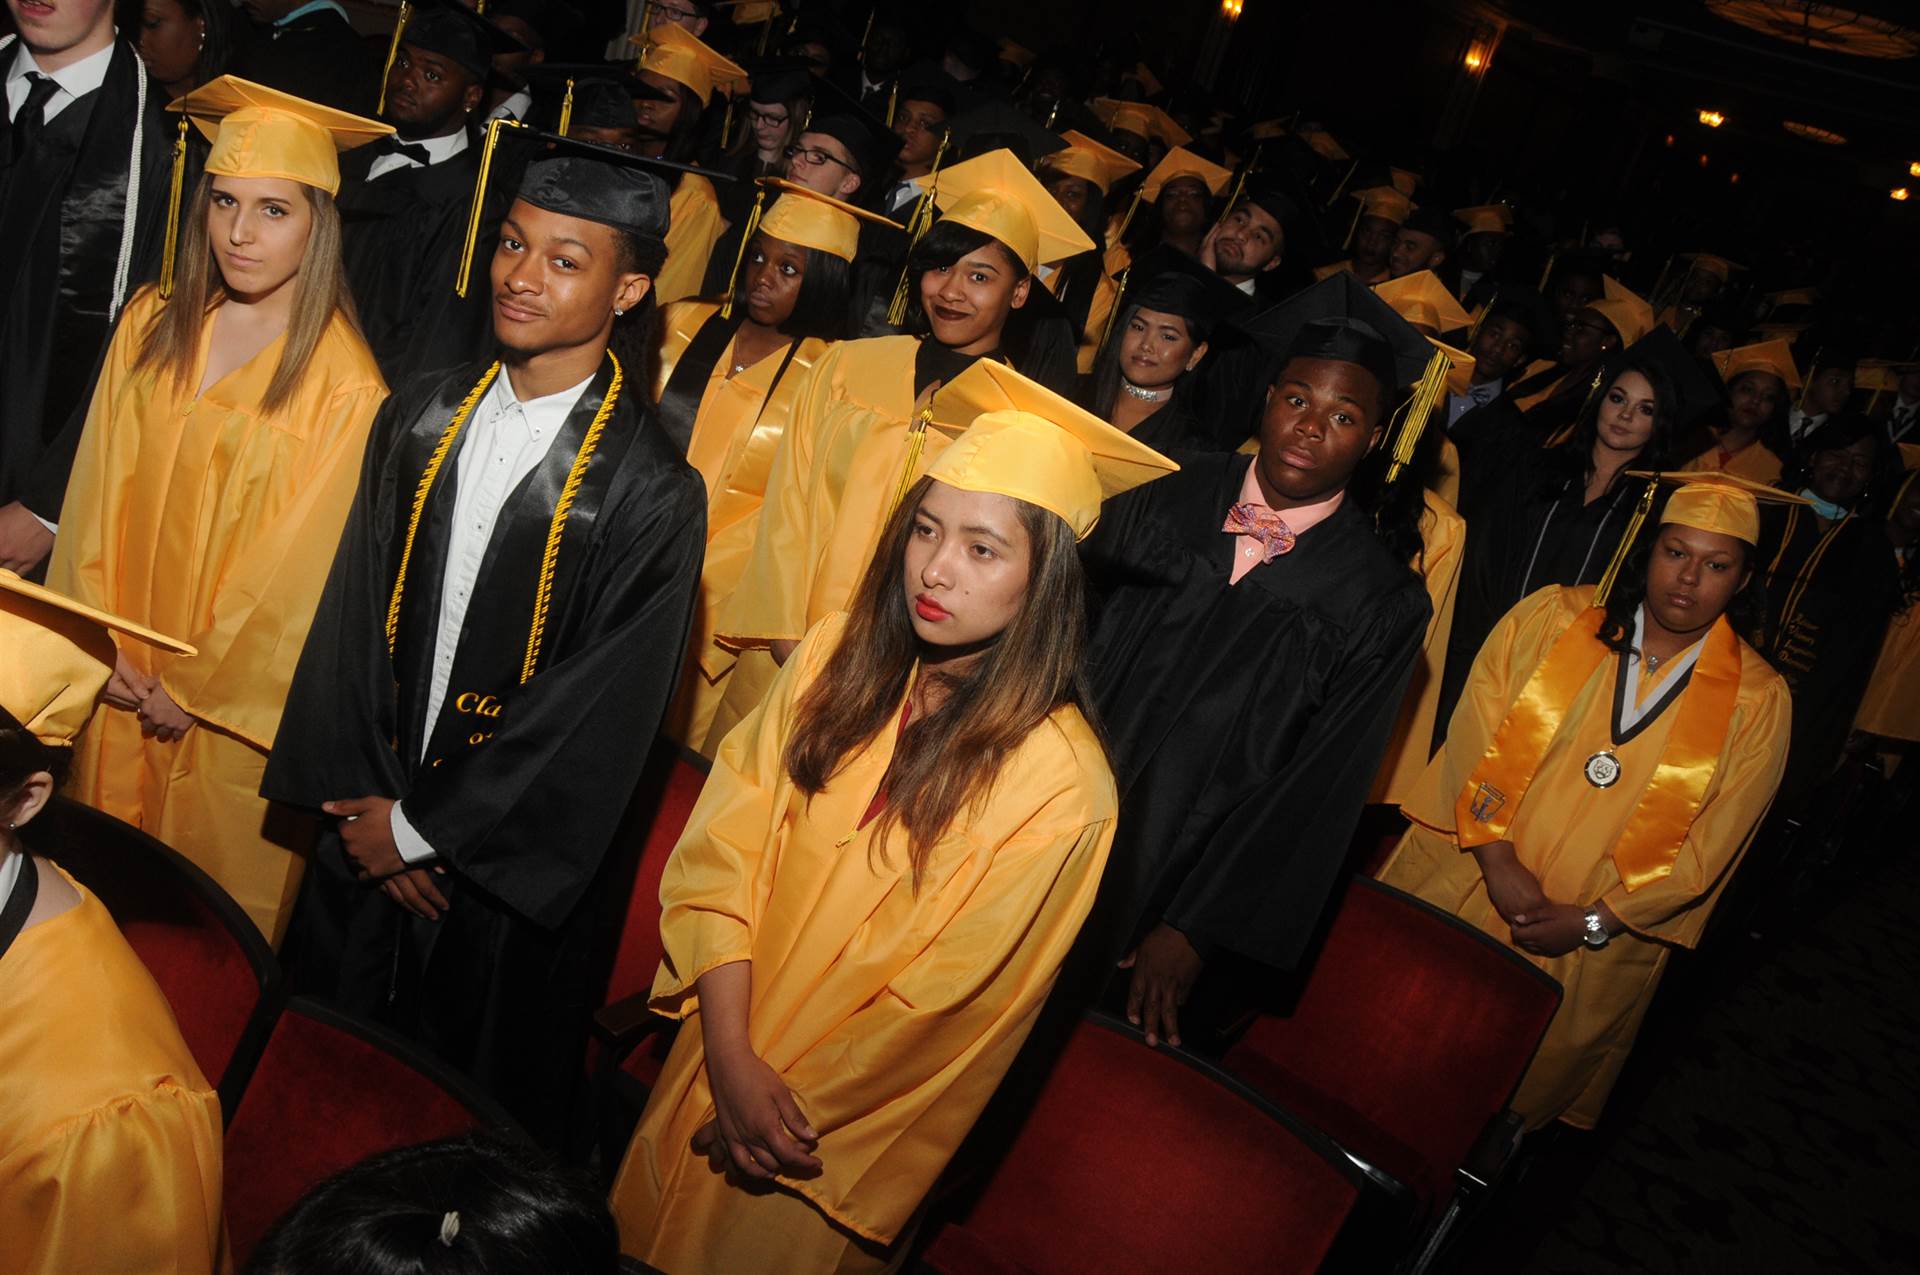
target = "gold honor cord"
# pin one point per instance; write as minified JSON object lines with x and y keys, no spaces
{"x":1413,"y":422}
{"x":393,"y":52}
{"x":171,"y":246}
{"x":1804,"y":576}
{"x":740,"y":256}
{"x":551,"y":558}
{"x":480,"y":200}
{"x":1611,"y":576}
{"x":421,"y":492}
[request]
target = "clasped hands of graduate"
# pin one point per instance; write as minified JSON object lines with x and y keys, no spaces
{"x":1540,"y":925}
{"x":366,"y":834}
{"x":136,"y":692}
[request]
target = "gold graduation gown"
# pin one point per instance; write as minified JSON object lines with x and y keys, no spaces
{"x":736,"y":431}
{"x":1564,"y":830}
{"x":694,"y":225}
{"x":1444,"y":533}
{"x":109,"y":1134}
{"x":1891,"y":705}
{"x":836,"y":474}
{"x":1755,"y":461}
{"x":891,"y":1013}
{"x":207,"y":518}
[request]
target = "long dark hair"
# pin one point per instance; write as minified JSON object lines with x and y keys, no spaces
{"x":1399,"y":506}
{"x":1104,"y":386}
{"x":1746,"y":611}
{"x":823,"y":307}
{"x":22,"y":756}
{"x":460,"y":1206}
{"x":1035,"y":339}
{"x":1573,"y":459}
{"x":684,"y":140}
{"x":947,"y":762}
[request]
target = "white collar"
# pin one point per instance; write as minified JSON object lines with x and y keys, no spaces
{"x":1246,"y":284}
{"x":516,"y":105}
{"x":445,"y":147}
{"x":1632,"y":709}
{"x":76,"y":79}
{"x":10,"y":876}
{"x":543,"y":413}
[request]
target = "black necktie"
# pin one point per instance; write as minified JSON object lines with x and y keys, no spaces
{"x":391,"y":145}
{"x":32,"y":115}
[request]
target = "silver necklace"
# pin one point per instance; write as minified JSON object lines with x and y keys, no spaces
{"x":1147,"y":396}
{"x":1653,"y":661}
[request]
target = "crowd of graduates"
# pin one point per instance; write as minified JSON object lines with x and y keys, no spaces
{"x":1078,"y":526}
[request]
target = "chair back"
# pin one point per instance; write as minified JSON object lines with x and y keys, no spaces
{"x":678,"y":777}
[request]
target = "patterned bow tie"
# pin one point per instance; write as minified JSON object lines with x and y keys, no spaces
{"x":1266,"y":527}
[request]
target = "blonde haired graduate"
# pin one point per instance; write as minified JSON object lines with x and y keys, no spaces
{"x":1609,"y":763}
{"x":890,"y":860}
{"x":212,"y":479}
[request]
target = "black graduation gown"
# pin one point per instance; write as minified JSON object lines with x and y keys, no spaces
{"x":1246,"y":721}
{"x":524,"y":785}
{"x":318,"y":56}
{"x":1827,"y":646}
{"x":62,"y":208}
{"x":1492,"y":429}
{"x":401,"y":240}
{"x":1528,"y":526}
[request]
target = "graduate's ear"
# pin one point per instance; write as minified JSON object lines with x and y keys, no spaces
{"x":630,"y":292}
{"x":475,"y":94}
{"x":34,"y":794}
{"x":1200,"y":352}
{"x":1020,"y":291}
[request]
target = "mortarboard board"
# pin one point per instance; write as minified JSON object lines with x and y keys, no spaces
{"x":593,"y":94}
{"x":1015,"y":53}
{"x":867,"y":138}
{"x":60,"y":653}
{"x":1181,"y":162}
{"x":1718,"y":501}
{"x":1630,"y":316}
{"x":779,"y":79}
{"x":456,"y":33}
{"x":1708,"y":264}
{"x":933,"y":87}
{"x":999,"y":124}
{"x":1429,"y":219}
{"x":1089,"y":160}
{"x":671,"y":50}
{"x":996,"y":195}
{"x":1385,"y":203}
{"x":1774,"y":357}
{"x":1486,"y":219}
{"x":1165,"y":279}
{"x":1403,"y":180}
{"x":258,"y":131}
{"x":1015,"y":437}
{"x":1694,"y":390}
{"x":1321,"y":142}
{"x":1422,"y":300}
{"x":1139,"y":117}
{"x":806,"y":217}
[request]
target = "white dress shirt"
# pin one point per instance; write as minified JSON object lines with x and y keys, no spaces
{"x":1799,"y":424}
{"x":10,"y":871}
{"x":74,"y":81}
{"x":439,"y":150}
{"x":1904,"y":417}
{"x":505,"y":440}
{"x":515,"y":107}
{"x":1477,"y":395}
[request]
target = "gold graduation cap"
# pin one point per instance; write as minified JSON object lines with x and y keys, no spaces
{"x":1141,"y":118}
{"x":1704,"y":500}
{"x":1774,"y":356}
{"x":1404,"y":180}
{"x":1324,"y":145}
{"x":996,"y":195}
{"x":671,"y":50}
{"x":804,"y":217}
{"x":1425,"y":302}
{"x":1708,"y":263}
{"x":1016,"y":53}
{"x":257,"y":131}
{"x":1015,"y":437}
{"x":1630,"y":316}
{"x":1181,"y":162}
{"x":1089,"y":160}
{"x":1385,"y":202}
{"x":1485,"y":219}
{"x":1267,"y":131}
{"x":59,"y":654}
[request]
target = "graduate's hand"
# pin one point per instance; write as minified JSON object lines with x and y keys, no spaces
{"x":127,"y":686}
{"x":366,"y":833}
{"x":1511,"y":886}
{"x":1164,"y":967}
{"x":161,"y":718}
{"x":416,"y":891}
{"x":761,"y":1126}
{"x":24,"y":540}
{"x":1551,"y":930}
{"x":1207,"y":257}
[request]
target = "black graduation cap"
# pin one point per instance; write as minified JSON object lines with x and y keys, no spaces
{"x":779,"y":79}
{"x":997,"y":125}
{"x":457,"y":34}
{"x":868,"y":140}
{"x":1168,"y":280}
{"x":1340,"y":318}
{"x":1431,"y":219}
{"x":936,"y":87}
{"x":1525,"y":306}
{"x":555,"y":20}
{"x":601,"y":94}
{"x":1695,"y":390}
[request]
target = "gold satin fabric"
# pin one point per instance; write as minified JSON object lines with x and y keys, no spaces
{"x":203,"y":517}
{"x":1444,"y":533}
{"x":694,"y":225}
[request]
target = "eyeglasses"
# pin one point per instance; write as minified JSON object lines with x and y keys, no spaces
{"x":768,"y":118}
{"x":813,"y":156}
{"x":668,"y":13}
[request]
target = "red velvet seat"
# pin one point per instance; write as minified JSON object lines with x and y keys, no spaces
{"x":1146,"y":1160}
{"x":329,"y":1091}
{"x":1410,"y":1035}
{"x":637,"y":955}
{"x":216,"y":970}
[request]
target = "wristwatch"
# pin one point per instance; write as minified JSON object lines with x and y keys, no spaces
{"x":1595,"y":934}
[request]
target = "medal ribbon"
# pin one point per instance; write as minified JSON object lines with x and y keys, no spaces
{"x":1666,"y":807}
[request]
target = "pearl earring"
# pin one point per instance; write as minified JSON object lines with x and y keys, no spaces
{"x":617,"y":312}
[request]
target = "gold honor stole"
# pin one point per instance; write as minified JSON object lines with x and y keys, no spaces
{"x":1667,"y":806}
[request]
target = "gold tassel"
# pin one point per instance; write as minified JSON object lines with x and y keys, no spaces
{"x":1132,"y":208}
{"x":479,"y":8}
{"x":1547,"y":274}
{"x":480,"y":200}
{"x":917,"y":227}
{"x":646,"y":24}
{"x":746,"y":237}
{"x":893,"y":100}
{"x":867,"y":34}
{"x":393,"y":51}
{"x":1341,"y":188}
{"x":766,"y":31}
{"x":1360,"y":210}
{"x":1053,"y":113}
{"x":726,"y":126}
{"x":170,"y":247}
{"x":1240,"y":184}
{"x":566,"y":108}
{"x":916,"y":443}
{"x":1113,"y":315}
{"x":1413,"y":421}
{"x":1612,"y":575}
